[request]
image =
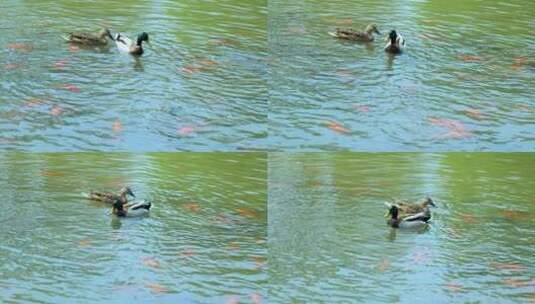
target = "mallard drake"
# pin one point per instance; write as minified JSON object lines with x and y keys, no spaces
{"x":350,"y":34}
{"x":126,"y":45}
{"x":135,"y":210}
{"x":110,"y":198}
{"x":408,"y":209}
{"x":98,"y":39}
{"x":395,"y":44}
{"x":414,"y":221}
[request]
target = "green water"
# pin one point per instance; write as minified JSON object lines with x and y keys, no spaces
{"x":465,"y":82}
{"x":204,"y":240}
{"x":234,"y":76}
{"x":200,"y":86}
{"x":329,"y":242}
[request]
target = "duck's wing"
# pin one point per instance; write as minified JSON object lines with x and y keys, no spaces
{"x":401,"y":41}
{"x":346,"y":34}
{"x":102,"y":196}
{"x":83,"y":38}
{"x":418,"y":217}
{"x":141,"y":205}
{"x":123,"y":43}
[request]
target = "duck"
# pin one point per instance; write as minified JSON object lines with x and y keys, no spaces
{"x":98,"y":39}
{"x":417,"y":220}
{"x":110,"y":198}
{"x":134,"y":210}
{"x":353,"y":35}
{"x":407,"y":208}
{"x":126,"y":45}
{"x":395,"y":44}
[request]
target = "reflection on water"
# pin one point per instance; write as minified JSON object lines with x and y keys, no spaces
{"x":465,"y":82}
{"x":204,"y":240}
{"x":328,"y":239}
{"x":204,"y":70}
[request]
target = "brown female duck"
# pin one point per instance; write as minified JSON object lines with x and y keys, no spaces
{"x":353,"y":35}
{"x":110,"y":198}
{"x":99,"y":39}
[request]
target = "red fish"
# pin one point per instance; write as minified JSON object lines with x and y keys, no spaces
{"x":186,"y":130}
{"x":84,"y":243}
{"x":150,"y":262}
{"x":260,"y":261}
{"x":474,"y":113}
{"x":34,"y":102}
{"x":516,"y":282}
{"x":11,"y":66}
{"x":157,"y":288}
{"x":247,"y":212}
{"x":56,"y":110}
{"x":453,"y":287}
{"x":52,"y":173}
{"x":208,"y":62}
{"x":233,"y":300}
{"x":515,"y":215}
{"x":469,"y":218}
{"x":188,"y":253}
{"x":362,"y":108}
{"x":225,"y":42}
{"x":469,"y":58}
{"x":60,"y":64}
{"x":508,"y":266}
{"x":336,"y":127}
{"x":117,"y":126}
{"x":384,"y":265}
{"x":74,"y":48}
{"x":191,"y":69}
{"x":22,"y":47}
{"x":193,"y":207}
{"x":256,"y":298}
{"x":69,"y":86}
{"x":233,"y":246}
{"x":457,"y":129}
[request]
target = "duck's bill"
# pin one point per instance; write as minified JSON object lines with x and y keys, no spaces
{"x":387,"y":214}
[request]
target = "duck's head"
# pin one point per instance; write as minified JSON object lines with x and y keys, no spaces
{"x":393,"y":211}
{"x":127,"y":191}
{"x":428,"y":202}
{"x":142,"y":37}
{"x":372,"y":28}
{"x":393,"y":35}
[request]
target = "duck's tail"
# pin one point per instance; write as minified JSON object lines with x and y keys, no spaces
{"x":333,"y":34}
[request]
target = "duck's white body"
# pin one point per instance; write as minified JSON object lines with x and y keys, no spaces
{"x":141,"y":208}
{"x":123,"y":43}
{"x":413,"y":221}
{"x":129,"y":46}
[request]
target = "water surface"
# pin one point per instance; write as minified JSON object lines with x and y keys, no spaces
{"x":328,"y":239}
{"x":200,"y":86}
{"x":465,"y":82}
{"x":203,"y":242}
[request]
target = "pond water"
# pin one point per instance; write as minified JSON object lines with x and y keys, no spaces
{"x":201,"y":85}
{"x":328,"y":238}
{"x":204,"y":240}
{"x":465,"y":82}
